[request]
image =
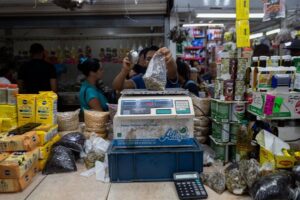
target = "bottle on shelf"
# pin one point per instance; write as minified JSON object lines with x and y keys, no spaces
{"x":244,"y":139}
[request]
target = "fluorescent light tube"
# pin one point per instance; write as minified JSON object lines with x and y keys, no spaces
{"x":203,"y":25}
{"x":256,"y":35}
{"x":273,"y":31}
{"x":227,"y":15}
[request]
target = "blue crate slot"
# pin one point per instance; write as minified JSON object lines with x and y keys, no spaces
{"x":153,"y":164}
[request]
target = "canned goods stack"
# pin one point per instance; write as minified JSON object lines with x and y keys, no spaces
{"x":226,"y":121}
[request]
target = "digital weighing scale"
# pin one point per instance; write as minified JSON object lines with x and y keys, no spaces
{"x":154,"y":119}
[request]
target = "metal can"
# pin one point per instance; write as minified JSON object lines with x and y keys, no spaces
{"x":213,"y":108}
{"x":228,"y":90}
{"x":233,"y":154}
{"x":225,"y":132}
{"x":237,"y":112}
{"x":223,"y":112}
{"x":217,"y":89}
{"x":234,"y":130}
{"x":241,"y":68}
{"x":239,"y":90}
{"x":220,"y":150}
{"x":217,"y":131}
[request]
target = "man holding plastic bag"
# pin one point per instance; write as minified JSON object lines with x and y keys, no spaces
{"x":161,"y":73}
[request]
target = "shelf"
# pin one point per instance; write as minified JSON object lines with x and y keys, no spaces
{"x":223,"y":101}
{"x":222,"y":143}
{"x":194,"y":48}
{"x":264,"y":117}
{"x":191,"y":58}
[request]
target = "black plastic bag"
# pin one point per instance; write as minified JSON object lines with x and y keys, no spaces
{"x":74,"y":141}
{"x":273,"y":186}
{"x":61,"y":160}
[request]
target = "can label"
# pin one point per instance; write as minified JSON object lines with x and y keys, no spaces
{"x":220,"y":151}
{"x":216,"y":131}
{"x":239,"y":90}
{"x":297,"y":82}
{"x":228,"y":90}
{"x":233,"y":154}
{"x":241,"y":68}
{"x":238,"y":112}
{"x":213,"y":107}
{"x":225,"y":133}
{"x":217,"y":89}
{"x":234,"y":129}
{"x":223,"y":113}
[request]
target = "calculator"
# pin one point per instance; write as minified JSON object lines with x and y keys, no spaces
{"x":189,"y":186}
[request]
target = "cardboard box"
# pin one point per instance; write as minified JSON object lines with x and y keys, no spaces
{"x":8,"y":111}
{"x":271,"y":150}
{"x":18,"y":163}
{"x":26,"y":108}
{"x":289,"y":109}
{"x":46,"y":135}
{"x":3,"y":155}
{"x":46,"y":108}
{"x":19,"y":184}
{"x":26,"y":142}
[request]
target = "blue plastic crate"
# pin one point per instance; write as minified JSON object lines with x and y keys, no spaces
{"x":153,"y":164}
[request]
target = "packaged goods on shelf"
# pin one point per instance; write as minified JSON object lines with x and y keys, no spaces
{"x":286,"y":105}
{"x":8,"y":111}
{"x":25,"y":142}
{"x":18,"y":163}
{"x":26,"y":108}
{"x":46,"y":108}
{"x":271,"y":150}
{"x":42,"y":164}
{"x":3,"y":155}
{"x":45,"y":135}
{"x":19,"y":184}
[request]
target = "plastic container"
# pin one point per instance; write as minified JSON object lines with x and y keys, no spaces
{"x":3,"y":93}
{"x":286,"y":61}
{"x":255,"y":61}
{"x":12,"y":91}
{"x":153,"y":164}
{"x":263,"y":60}
{"x":275,"y":60}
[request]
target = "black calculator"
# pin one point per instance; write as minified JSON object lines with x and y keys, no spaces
{"x":189,"y":186}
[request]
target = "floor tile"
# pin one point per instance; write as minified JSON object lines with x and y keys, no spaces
{"x":71,"y":186}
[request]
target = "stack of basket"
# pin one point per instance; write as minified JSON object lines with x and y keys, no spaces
{"x":201,"y":120}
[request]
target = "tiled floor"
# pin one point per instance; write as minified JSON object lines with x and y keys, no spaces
{"x":72,"y":186}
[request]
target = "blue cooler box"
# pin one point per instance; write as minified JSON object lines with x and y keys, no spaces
{"x":153,"y":164}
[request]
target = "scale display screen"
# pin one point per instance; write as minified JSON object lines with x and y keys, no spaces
{"x":144,"y":106}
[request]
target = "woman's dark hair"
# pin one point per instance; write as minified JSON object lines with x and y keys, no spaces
{"x":88,"y":65}
{"x":183,"y":70}
{"x":152,"y":48}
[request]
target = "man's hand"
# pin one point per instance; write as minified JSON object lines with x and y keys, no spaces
{"x":166,"y":53}
{"x":126,"y":65}
{"x":170,"y":63}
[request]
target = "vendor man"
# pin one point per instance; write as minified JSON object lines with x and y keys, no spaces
{"x":137,"y":82}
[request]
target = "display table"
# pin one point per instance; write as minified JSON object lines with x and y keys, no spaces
{"x":72,"y":186}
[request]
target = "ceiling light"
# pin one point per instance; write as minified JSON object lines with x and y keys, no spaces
{"x":227,"y":15}
{"x":273,"y":31}
{"x":256,"y":35}
{"x":203,"y":25}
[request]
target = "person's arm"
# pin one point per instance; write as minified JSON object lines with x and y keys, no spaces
{"x":170,"y":63}
{"x":120,"y":82}
{"x":53,"y":84}
{"x":94,"y":104}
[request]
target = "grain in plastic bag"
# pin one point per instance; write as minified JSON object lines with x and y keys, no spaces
{"x":155,"y":77}
{"x":68,"y":121}
{"x":96,"y":121}
{"x":235,"y":183}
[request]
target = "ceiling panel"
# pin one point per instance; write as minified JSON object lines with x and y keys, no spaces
{"x":101,"y":7}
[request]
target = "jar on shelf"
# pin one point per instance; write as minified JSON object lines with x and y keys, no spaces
{"x":3,"y":93}
{"x":12,"y":91}
{"x":263,"y":60}
{"x":275,"y":60}
{"x":255,"y":61}
{"x":286,"y":61}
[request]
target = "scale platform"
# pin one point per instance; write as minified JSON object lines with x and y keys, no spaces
{"x":144,"y":92}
